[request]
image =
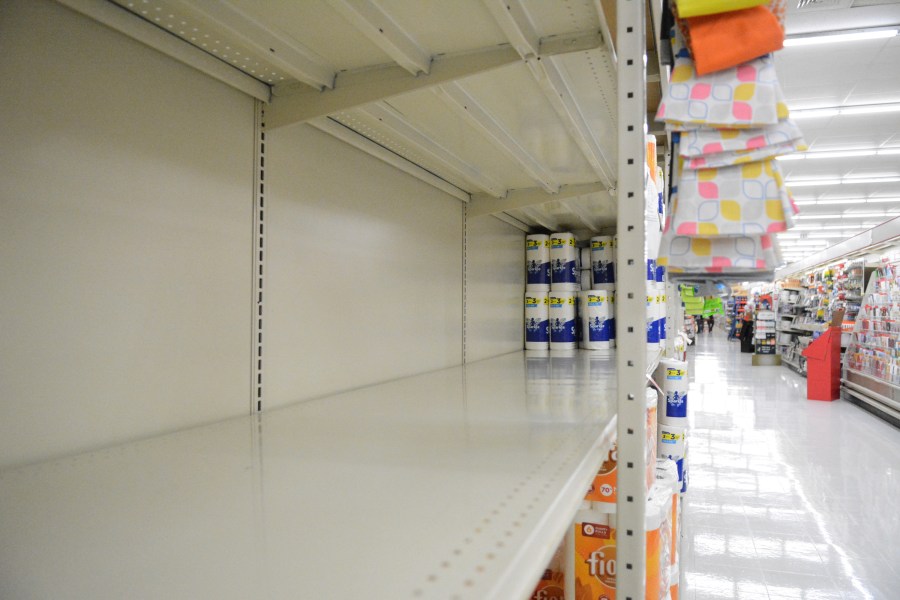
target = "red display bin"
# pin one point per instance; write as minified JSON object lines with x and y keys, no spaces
{"x":823,"y":366}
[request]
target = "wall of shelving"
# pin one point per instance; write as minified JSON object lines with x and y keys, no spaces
{"x":364,"y":269}
{"x":126,"y":223}
{"x":495,"y":270}
{"x":139,"y":251}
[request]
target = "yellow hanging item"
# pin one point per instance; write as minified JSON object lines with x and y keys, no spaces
{"x":696,"y":8}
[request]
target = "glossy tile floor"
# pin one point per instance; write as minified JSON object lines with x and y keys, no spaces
{"x":788,"y":498}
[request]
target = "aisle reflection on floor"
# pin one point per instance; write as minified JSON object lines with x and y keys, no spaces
{"x":788,"y":498}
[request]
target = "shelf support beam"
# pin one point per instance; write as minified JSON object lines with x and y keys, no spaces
{"x":513,"y":19}
{"x":425,"y":144}
{"x":296,"y":103}
{"x":280,"y":50}
{"x":472,"y":111}
{"x":483,"y":204}
{"x":384,"y":32}
{"x":631,"y":326}
{"x":361,"y":142}
{"x":126,"y":22}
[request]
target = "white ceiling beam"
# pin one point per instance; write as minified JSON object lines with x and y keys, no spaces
{"x":513,"y":19}
{"x":278,"y":49}
{"x":482,"y":204}
{"x":125,"y":22}
{"x":385,"y":33}
{"x":425,"y":144}
{"x":361,"y":142}
{"x":469,"y":108}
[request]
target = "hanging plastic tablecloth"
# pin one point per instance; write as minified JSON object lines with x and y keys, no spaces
{"x":710,"y":148}
{"x":730,"y":201}
{"x":683,"y":254}
{"x":741,"y":97}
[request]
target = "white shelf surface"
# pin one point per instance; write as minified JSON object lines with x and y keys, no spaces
{"x":452,"y":484}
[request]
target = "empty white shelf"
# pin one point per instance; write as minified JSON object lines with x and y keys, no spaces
{"x":451,"y":484}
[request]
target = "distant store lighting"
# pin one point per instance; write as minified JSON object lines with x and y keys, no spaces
{"x":833,"y":111}
{"x":839,"y":37}
{"x":840,"y":181}
{"x":840,"y":154}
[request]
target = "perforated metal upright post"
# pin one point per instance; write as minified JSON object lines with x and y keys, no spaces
{"x":631,"y":328}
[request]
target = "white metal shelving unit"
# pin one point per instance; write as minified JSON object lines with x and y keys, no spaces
{"x":457,"y":483}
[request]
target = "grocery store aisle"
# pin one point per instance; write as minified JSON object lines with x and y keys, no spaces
{"x":788,"y":498}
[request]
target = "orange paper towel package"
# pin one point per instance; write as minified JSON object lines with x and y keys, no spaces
{"x":551,"y":586}
{"x":603,"y":489}
{"x":595,"y":560}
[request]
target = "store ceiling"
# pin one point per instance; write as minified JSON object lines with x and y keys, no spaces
{"x":849,"y":180}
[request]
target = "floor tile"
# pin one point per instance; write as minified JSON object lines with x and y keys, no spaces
{"x":788,"y":498}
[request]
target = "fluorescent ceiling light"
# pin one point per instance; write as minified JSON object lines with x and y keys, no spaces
{"x":833,"y":111}
{"x":838,"y":37}
{"x":845,"y":201}
{"x":863,"y":215}
{"x":815,"y":227}
{"x":817,"y":155}
{"x":840,"y":181}
{"x":842,"y":201}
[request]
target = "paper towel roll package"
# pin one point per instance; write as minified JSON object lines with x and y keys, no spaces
{"x":562,"y":321}
{"x":672,"y":375}
{"x":661,"y":286}
{"x":610,"y":289}
{"x":537,"y":320}
{"x":650,"y":445}
{"x":672,"y":441}
{"x":601,"y":258}
{"x":537,"y":262}
{"x":652,"y":309}
{"x":596,"y":320}
{"x":564,"y":263}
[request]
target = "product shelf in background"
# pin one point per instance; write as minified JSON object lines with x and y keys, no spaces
{"x":460,"y":482}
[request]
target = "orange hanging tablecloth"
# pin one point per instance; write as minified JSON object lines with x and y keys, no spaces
{"x":728,"y":39}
